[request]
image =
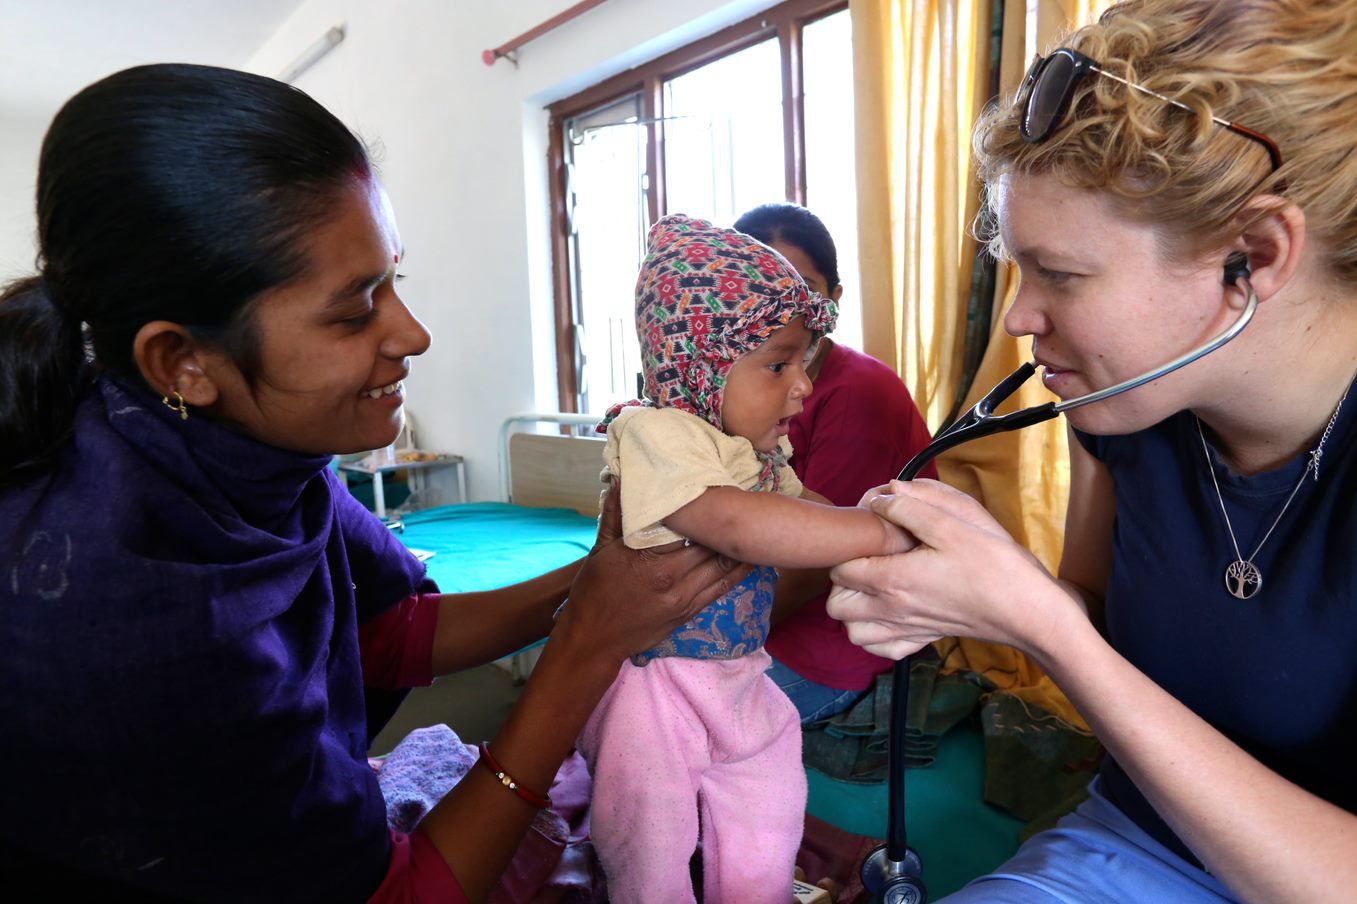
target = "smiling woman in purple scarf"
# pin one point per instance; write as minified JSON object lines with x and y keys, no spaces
{"x":191,"y":605}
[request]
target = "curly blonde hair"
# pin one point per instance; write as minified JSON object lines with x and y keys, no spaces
{"x":1286,"y":68}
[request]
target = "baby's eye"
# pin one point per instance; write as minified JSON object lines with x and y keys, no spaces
{"x":778,"y":367}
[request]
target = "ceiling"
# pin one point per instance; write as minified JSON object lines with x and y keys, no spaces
{"x":50,"y":49}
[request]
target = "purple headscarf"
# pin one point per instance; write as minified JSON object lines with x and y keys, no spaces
{"x":180,"y":693}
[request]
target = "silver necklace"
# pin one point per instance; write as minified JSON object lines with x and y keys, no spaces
{"x":1242,"y":578}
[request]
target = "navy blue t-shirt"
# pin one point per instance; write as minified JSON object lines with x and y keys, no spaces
{"x":1276,"y":673}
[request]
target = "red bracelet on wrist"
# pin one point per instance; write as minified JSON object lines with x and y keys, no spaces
{"x":537,"y":800}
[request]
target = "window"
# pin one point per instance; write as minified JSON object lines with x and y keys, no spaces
{"x":608,"y":222}
{"x":759,"y":112}
{"x":723,"y":126}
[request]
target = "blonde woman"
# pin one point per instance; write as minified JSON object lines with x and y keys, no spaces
{"x":1212,"y":519}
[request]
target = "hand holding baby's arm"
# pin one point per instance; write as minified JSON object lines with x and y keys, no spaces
{"x":897,"y":538}
{"x":883,"y":490}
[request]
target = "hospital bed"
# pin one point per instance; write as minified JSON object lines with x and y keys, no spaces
{"x":546,"y":516}
{"x":549,"y":488}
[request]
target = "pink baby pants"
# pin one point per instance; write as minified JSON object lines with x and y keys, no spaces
{"x":681,"y":736}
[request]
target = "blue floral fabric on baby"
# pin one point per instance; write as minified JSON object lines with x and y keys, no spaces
{"x":733,"y":626}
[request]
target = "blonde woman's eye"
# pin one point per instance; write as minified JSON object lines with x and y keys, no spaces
{"x":1054,"y":277}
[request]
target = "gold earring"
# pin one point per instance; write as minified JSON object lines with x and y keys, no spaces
{"x":178,"y":404}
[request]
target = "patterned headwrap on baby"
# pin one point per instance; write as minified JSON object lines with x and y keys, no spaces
{"x":706,"y":296}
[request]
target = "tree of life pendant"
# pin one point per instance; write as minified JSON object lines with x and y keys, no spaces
{"x":1242,"y":579}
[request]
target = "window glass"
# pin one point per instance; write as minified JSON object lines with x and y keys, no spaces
{"x":831,"y":183}
{"x":723,"y":148}
{"x":721,"y":131}
{"x":606,"y":208}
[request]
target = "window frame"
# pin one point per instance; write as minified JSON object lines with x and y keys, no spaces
{"x":784,"y":22}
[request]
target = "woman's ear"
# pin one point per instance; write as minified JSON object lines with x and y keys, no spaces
{"x":1274,"y":244}
{"x":836,"y":294}
{"x":171,"y":361}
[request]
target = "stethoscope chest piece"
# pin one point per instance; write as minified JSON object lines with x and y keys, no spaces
{"x":894,"y":881}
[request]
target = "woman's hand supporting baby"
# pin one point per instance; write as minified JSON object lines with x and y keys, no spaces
{"x":676,"y":580}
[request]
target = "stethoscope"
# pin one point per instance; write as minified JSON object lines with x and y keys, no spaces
{"x":892,"y":872}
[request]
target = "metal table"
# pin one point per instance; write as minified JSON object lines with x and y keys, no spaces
{"x":416,"y":467}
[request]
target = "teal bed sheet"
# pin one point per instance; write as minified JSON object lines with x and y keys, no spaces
{"x":479,"y":546}
{"x":483,"y":545}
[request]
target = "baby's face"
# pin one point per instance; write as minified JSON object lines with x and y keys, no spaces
{"x":765,"y":388}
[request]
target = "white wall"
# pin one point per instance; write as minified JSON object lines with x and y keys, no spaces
{"x":20,"y":140}
{"x":462,"y":149}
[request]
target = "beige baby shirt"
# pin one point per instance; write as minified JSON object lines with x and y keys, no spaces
{"x":667,"y":458}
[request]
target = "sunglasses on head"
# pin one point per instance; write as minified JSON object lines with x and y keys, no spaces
{"x":1046,"y":92}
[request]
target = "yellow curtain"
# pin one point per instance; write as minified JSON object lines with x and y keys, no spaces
{"x":921,"y":75}
{"x":920,"y":70}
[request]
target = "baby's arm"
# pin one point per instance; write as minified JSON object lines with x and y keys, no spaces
{"x":808,"y":493}
{"x":783,"y":531}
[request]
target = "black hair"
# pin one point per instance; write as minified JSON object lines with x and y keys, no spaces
{"x":794,"y":225}
{"x":166,"y":192}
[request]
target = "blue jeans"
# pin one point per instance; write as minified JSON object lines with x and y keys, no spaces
{"x":815,"y":702}
{"x":1095,"y":855}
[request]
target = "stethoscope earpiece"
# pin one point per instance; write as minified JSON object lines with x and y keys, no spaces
{"x":1236,"y":268}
